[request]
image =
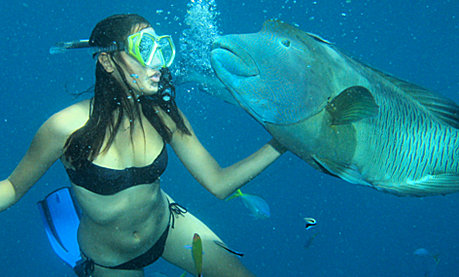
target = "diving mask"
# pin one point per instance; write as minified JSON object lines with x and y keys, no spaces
{"x":145,"y":46}
{"x":151,"y":50}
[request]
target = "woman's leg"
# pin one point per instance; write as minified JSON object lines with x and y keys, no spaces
{"x":216,"y":260}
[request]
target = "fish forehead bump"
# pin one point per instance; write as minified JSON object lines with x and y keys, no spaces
{"x":280,"y":27}
{"x":283,"y":29}
{"x":281,"y":92}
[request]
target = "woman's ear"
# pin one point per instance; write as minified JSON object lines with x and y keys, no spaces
{"x":106,"y":62}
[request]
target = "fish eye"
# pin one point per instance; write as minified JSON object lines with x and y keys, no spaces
{"x":286,"y":42}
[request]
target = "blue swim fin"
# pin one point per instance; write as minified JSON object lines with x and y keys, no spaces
{"x":61,"y":219}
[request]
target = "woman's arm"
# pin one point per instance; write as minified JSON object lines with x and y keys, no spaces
{"x":46,"y":147}
{"x":221,"y":182}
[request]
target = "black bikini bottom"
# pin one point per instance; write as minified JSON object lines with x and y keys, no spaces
{"x":85,"y":267}
{"x":147,"y":258}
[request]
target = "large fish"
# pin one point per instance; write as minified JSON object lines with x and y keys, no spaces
{"x":339,"y":115}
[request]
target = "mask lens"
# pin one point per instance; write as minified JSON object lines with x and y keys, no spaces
{"x":157,"y":61}
{"x":167,"y":50}
{"x":146,"y":46}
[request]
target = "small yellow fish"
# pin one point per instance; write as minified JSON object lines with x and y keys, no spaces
{"x":258,"y":207}
{"x":196,"y":249}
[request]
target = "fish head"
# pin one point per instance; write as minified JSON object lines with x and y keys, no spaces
{"x":276,"y":75}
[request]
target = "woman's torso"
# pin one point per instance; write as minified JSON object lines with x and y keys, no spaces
{"x":123,"y":224}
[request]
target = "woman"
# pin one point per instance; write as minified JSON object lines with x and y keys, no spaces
{"x":113,"y":148}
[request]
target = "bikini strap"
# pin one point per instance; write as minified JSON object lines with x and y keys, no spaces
{"x":177,"y":209}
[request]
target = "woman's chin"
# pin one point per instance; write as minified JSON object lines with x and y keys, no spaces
{"x":150,"y":92}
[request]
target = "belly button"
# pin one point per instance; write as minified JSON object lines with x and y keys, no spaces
{"x":136,"y":236}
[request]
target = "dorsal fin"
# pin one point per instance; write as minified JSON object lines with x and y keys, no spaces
{"x":351,"y":105}
{"x":442,"y":108}
{"x":319,"y":38}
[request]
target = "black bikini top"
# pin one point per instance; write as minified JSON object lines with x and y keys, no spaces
{"x":107,"y":181}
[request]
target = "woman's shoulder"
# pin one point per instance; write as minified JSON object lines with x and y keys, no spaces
{"x":78,"y":109}
{"x":71,"y":118}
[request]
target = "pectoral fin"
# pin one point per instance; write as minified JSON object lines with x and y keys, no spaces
{"x":344,"y":171}
{"x":351,"y":105}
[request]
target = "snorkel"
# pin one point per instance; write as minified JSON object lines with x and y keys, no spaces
{"x":62,"y":47}
{"x":149,"y":49}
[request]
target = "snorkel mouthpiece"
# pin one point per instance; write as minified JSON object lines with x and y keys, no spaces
{"x":166,"y":89}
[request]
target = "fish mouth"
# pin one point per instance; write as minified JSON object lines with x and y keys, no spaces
{"x":233,"y":65}
{"x":232,"y":59}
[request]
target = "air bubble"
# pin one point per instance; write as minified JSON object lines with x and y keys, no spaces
{"x":196,"y":40}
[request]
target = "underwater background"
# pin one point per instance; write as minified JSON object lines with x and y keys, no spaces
{"x":359,"y":232}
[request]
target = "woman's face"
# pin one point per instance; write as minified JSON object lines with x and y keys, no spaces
{"x":142,"y":80}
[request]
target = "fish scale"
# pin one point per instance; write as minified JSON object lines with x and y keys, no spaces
{"x":401,"y":148}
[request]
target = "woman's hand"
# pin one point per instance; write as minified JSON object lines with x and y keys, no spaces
{"x":277,"y":146}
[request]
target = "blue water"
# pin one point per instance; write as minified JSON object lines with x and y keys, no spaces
{"x":360,"y":232}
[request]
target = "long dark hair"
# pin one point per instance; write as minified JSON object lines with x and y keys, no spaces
{"x":111,"y":97}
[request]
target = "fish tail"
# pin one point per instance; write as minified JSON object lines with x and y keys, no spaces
{"x":235,"y":195}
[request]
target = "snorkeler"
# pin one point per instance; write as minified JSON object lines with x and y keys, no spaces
{"x":113,"y":147}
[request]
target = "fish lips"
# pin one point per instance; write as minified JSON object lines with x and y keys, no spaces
{"x":233,"y":65}
{"x":233,"y":59}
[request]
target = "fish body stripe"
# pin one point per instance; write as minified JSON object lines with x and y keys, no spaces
{"x":405,"y":143}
